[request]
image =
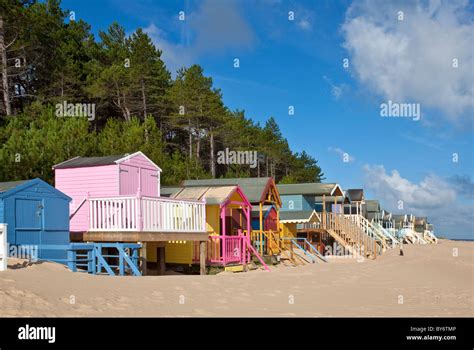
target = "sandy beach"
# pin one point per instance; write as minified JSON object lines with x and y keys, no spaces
{"x":427,"y":281}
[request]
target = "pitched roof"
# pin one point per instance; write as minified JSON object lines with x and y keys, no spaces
{"x":356,"y":194}
{"x":298,"y":216}
{"x":266,"y":209}
{"x":84,"y":162}
{"x":421,"y":220}
{"x":314,"y":188}
{"x":212,"y":194}
{"x":255,"y":188}
{"x":80,"y":162}
{"x":372,"y":205}
{"x":7,"y":186}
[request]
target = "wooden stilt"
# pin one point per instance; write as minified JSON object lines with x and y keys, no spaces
{"x":143,"y":259}
{"x":202,"y":257}
{"x":160,"y":260}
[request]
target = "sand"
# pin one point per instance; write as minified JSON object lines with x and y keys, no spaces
{"x":426,"y":281}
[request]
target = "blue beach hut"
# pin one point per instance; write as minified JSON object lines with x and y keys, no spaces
{"x":37,"y":216}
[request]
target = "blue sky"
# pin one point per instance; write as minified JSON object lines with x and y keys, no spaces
{"x":398,"y":51}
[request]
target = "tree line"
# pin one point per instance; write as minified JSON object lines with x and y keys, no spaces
{"x":48,"y":58}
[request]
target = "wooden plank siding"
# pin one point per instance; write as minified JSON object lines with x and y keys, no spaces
{"x":77,"y":183}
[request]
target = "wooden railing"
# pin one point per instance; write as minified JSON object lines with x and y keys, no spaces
{"x":351,"y":233}
{"x":309,"y":225}
{"x":266,"y":242}
{"x":372,"y":231}
{"x":149,"y":214}
{"x":223,"y":250}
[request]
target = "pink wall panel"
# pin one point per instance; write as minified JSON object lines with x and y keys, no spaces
{"x":100,"y":181}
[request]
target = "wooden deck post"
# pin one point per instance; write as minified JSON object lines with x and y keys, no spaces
{"x":161,"y":260}
{"x":202,"y":257}
{"x":324,"y":211}
{"x":143,"y":259}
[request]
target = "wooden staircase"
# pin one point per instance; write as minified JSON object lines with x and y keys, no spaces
{"x":350,"y":235}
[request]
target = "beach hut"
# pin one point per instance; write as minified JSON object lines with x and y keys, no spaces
{"x":355,"y":203}
{"x":372,"y":209}
{"x":425,"y":229}
{"x":329,"y":200}
{"x":405,"y":226}
{"x":297,"y":234}
{"x":118,"y":199}
{"x":304,"y":199}
{"x":262,"y":193}
{"x":37,"y":218}
{"x":228,"y":224}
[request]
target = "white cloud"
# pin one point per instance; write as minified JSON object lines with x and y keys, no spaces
{"x":411,"y":60}
{"x":336,"y":90}
{"x":304,"y":24}
{"x":433,"y":196}
{"x":174,"y":55}
{"x":214,"y":28}
{"x":431,"y":192}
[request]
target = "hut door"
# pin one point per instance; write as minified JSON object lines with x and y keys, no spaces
{"x":149,"y":182}
{"x":28,"y":221}
{"x":129,"y":180}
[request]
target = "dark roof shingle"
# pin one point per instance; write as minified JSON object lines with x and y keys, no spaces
{"x":81,"y":162}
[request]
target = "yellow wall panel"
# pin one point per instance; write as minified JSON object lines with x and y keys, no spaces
{"x":288,"y":230}
{"x":179,"y":252}
{"x":213,"y":218}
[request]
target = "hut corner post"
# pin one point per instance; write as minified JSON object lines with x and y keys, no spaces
{"x":223,"y":212}
{"x":3,"y":247}
{"x":261,"y":228}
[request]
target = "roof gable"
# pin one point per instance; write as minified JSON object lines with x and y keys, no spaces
{"x":8,"y":189}
{"x":315,"y":188}
{"x":214,"y":195}
{"x":256,"y":189}
{"x":299,"y":216}
{"x":356,"y":194}
{"x":84,"y":162}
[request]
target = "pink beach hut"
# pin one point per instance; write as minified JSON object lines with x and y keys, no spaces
{"x":117,"y":199}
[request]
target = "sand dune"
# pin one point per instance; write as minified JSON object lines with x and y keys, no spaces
{"x":427,"y":281}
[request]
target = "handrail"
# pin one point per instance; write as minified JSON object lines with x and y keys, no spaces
{"x":294,"y":242}
{"x":350,"y":232}
{"x":317,"y":253}
{"x":77,"y":208}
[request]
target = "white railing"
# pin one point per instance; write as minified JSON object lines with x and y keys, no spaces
{"x":3,"y":247}
{"x":369,"y":228}
{"x":146,"y":214}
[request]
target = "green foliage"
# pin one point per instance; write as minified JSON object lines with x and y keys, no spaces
{"x":179,"y":123}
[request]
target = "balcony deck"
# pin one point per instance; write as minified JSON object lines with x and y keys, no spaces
{"x":134,"y":219}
